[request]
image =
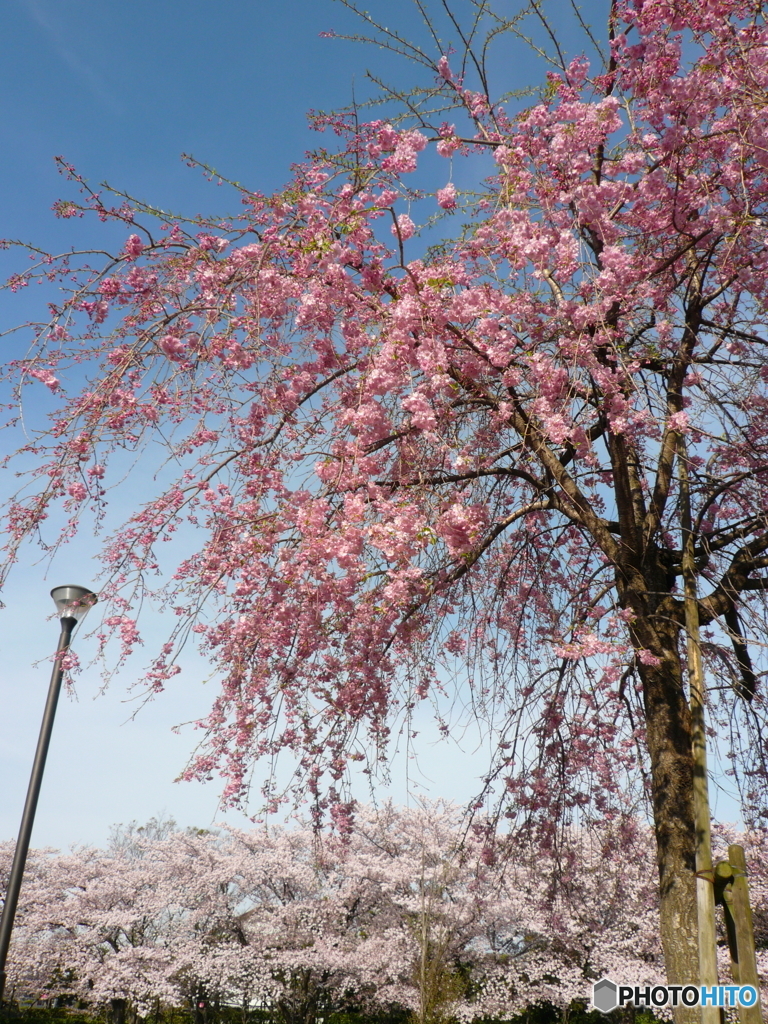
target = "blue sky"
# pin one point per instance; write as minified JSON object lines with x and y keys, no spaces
{"x":121,"y":90}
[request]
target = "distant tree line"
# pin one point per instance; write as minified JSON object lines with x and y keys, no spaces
{"x":399,"y":915}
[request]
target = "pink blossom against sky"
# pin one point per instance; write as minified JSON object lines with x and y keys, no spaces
{"x":121,"y":92}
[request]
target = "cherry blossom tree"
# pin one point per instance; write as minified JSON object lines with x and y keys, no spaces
{"x":441,"y":895}
{"x":460,"y":469}
{"x":400,"y":913}
{"x":198,"y":919}
{"x":405,"y":911}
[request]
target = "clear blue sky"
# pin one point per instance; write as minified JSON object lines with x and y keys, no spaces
{"x":121,"y":90}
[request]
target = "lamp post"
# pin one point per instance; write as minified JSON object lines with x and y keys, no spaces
{"x":72,"y":604}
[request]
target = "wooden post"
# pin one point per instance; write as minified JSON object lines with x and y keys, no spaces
{"x":724,"y":896}
{"x":732,"y":883}
{"x":705,"y":875}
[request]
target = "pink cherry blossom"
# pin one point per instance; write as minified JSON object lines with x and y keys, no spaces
{"x":77,"y":490}
{"x":444,"y":69}
{"x":45,"y":376}
{"x":446,"y":197}
{"x":405,"y":227}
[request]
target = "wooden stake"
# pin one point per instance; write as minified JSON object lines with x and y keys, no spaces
{"x":705,"y":876}
{"x":732,"y":883}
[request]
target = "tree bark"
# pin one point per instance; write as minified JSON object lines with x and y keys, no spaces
{"x":668,"y":725}
{"x":117,"y":1011}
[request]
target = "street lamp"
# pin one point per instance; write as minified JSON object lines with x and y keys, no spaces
{"x":72,"y":604}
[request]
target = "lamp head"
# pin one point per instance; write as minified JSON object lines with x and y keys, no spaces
{"x":73,"y":602}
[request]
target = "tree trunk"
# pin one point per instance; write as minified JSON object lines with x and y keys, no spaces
{"x":117,"y":1011}
{"x":668,"y":724}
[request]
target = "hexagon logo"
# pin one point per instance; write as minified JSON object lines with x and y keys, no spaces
{"x":604,"y":995}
